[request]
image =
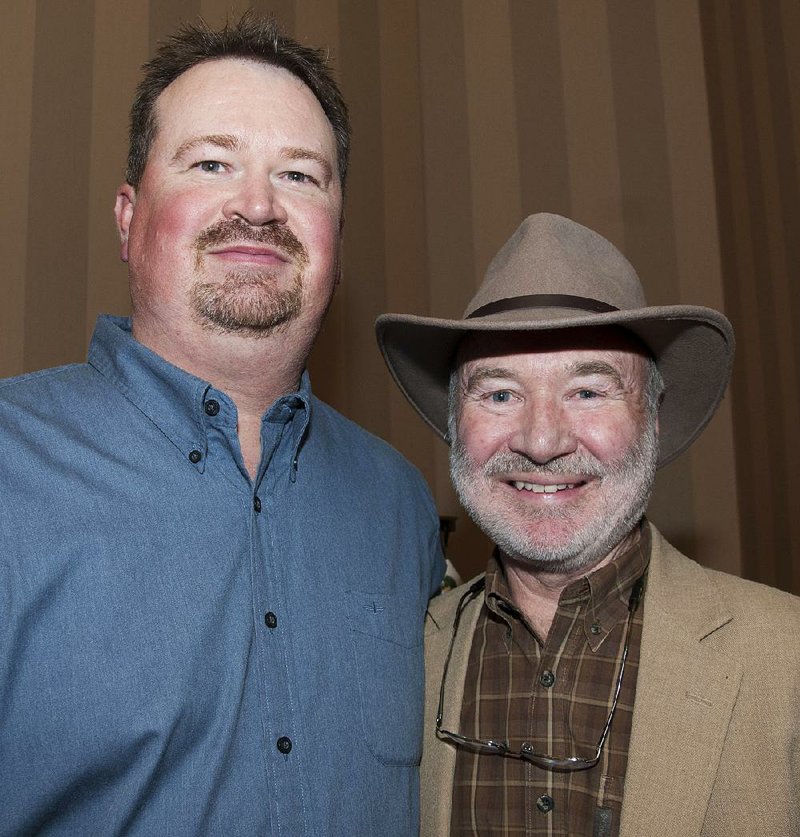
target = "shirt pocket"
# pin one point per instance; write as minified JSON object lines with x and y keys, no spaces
{"x":386,"y":640}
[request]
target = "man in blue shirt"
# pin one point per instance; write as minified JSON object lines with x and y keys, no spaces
{"x":212,"y":585}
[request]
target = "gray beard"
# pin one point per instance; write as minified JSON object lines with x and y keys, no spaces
{"x":631,"y":482}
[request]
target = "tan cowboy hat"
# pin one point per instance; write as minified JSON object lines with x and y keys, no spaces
{"x":554,"y":274}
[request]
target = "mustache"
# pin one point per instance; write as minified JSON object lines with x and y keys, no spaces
{"x":237,"y":231}
{"x":507,"y":463}
{"x":644,"y":450}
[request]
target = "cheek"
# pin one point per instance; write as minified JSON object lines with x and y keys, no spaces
{"x":164,"y":223}
{"x":608,"y":441}
{"x":319,"y":229}
{"x":481,"y":437}
{"x":160,"y":245}
{"x":163,"y":220}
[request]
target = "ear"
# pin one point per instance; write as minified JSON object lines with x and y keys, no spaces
{"x":123,"y":212}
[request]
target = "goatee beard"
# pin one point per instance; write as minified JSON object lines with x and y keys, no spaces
{"x":249,"y":302}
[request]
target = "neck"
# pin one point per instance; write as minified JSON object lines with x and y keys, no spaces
{"x":252,"y":371}
{"x":536,"y":593}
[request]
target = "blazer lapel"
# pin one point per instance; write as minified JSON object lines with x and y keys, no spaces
{"x":685,"y":694}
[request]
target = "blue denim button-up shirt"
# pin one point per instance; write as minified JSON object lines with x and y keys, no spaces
{"x":184,"y":651}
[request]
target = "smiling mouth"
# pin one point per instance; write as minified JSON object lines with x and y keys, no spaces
{"x":539,"y":488}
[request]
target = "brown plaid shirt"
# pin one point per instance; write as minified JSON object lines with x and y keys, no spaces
{"x":557,"y":696}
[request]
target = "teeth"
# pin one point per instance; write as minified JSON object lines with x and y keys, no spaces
{"x":536,"y":488}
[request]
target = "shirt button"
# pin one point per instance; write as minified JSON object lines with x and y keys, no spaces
{"x":545,"y":804}
{"x":284,"y":745}
{"x":212,"y":407}
{"x":257,"y":504}
{"x":195,"y":456}
{"x":547,"y":679}
{"x":270,"y":620}
{"x":595,"y":628}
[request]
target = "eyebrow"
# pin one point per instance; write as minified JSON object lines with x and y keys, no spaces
{"x":579,"y":369}
{"x":226,"y":141}
{"x":597,"y":367}
{"x":295,"y":153}
{"x":485,"y":373}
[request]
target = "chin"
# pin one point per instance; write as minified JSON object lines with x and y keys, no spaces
{"x":552,"y":555}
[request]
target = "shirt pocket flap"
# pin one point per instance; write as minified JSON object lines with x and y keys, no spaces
{"x":386,"y":639}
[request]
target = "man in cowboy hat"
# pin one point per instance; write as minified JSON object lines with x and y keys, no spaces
{"x":593,"y":680}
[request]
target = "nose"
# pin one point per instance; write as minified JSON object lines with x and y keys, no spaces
{"x":543,"y":431}
{"x":256,"y":201}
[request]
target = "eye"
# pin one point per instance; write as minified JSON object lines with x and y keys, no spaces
{"x":299,"y":177}
{"x":586,"y":394}
{"x":210,"y":166}
{"x":502,"y":396}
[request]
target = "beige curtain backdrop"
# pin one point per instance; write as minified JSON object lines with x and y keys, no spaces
{"x":670,"y":126}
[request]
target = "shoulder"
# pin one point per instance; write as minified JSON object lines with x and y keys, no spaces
{"x":683,"y":573}
{"x":749,"y":611}
{"x":339,"y":434}
{"x":764,"y":619}
{"x":333,"y":423}
{"x":55,"y":376}
{"x":752,"y":596}
{"x":48,"y":392}
{"x":439,"y":622}
{"x":443,"y":607}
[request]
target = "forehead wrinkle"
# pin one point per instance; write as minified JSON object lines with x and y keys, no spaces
{"x":227,"y":141}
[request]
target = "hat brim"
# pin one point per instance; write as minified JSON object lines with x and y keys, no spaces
{"x":693,"y":347}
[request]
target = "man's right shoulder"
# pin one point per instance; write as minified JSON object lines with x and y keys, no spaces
{"x":57,"y":395}
{"x":32,"y":384}
{"x":442,"y":608}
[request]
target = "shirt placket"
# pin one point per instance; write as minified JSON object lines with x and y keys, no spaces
{"x":272,"y":618}
{"x":547,"y":794}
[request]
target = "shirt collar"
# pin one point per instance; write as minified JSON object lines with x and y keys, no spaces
{"x":173,"y":399}
{"x":603,"y":594}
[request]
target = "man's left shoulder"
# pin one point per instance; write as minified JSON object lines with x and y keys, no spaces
{"x":343,"y":433}
{"x":752,"y":607}
{"x":761,"y":605}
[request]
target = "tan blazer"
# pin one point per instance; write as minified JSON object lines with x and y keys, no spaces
{"x":715,"y":743}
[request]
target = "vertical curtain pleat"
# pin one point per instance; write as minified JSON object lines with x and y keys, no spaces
{"x":58,"y":185}
{"x":670,"y":126}
{"x":752,"y":60}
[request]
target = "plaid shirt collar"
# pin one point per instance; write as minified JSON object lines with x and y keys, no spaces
{"x":606,"y":591}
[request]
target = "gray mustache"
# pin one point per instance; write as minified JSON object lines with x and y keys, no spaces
{"x":506,"y":463}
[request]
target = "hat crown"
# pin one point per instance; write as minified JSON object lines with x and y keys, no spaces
{"x":554,"y":256}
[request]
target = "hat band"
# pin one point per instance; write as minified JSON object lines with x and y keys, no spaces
{"x":542,"y":301}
